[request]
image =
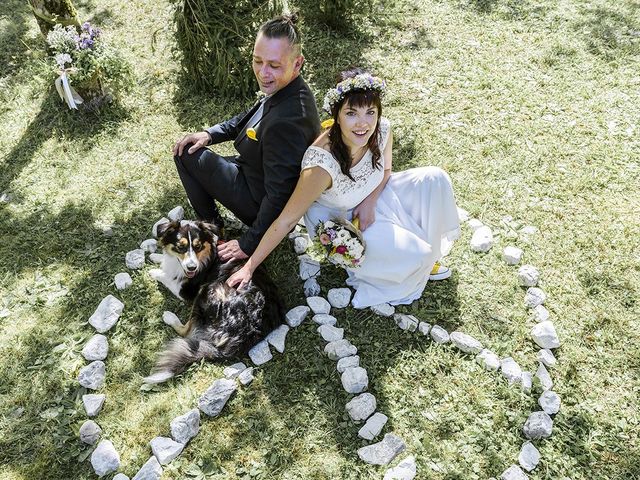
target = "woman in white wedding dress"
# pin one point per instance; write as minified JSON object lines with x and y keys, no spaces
{"x":409,"y":219}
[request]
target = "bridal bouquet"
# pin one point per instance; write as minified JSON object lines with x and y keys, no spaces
{"x":342,"y":242}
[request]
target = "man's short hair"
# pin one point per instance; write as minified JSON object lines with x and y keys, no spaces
{"x":284,"y":26}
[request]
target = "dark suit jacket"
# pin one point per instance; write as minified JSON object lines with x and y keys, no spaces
{"x":271,"y":163}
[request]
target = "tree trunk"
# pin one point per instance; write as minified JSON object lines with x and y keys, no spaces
{"x":50,"y":12}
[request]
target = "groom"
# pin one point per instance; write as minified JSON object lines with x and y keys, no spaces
{"x":270,"y":138}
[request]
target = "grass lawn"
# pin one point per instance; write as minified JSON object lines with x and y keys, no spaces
{"x":534,"y":110}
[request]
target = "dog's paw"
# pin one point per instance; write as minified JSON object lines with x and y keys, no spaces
{"x":156,"y":274}
{"x":172,"y":320}
{"x":158,"y":377}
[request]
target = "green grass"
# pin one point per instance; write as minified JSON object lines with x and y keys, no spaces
{"x":534,"y":110}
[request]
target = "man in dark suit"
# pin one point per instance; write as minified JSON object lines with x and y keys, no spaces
{"x":271,"y":139}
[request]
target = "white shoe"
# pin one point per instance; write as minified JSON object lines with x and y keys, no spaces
{"x":439,"y":272}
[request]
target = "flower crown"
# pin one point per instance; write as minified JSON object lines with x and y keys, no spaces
{"x":363,"y":81}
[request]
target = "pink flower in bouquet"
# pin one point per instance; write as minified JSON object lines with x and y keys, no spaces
{"x":341,"y":249}
{"x":325,"y":239}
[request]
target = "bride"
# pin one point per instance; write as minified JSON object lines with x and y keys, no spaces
{"x":408,"y":219}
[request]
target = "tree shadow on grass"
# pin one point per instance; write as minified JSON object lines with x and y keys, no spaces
{"x":14,"y":18}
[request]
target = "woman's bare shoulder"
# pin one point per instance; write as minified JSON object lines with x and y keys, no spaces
{"x":323,"y":141}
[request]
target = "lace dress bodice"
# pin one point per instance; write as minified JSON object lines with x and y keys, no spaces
{"x":345,"y":193}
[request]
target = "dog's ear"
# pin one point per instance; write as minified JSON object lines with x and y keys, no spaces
{"x":212,"y":229}
{"x":167,"y":227}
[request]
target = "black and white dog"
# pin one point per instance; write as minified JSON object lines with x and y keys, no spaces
{"x":225,"y":322}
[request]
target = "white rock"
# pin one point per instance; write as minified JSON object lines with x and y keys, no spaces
{"x":260,"y":353}
{"x":383,"y":309}
{"x":92,"y":376}
{"x":540,"y":313}
{"x":534,"y":297}
{"x":528,"y":276}
{"x":361,"y":407}
{"x":405,"y":470}
{"x":465,"y":342}
{"x":383,"y":452}
{"x":550,"y":402}
{"x":311,"y":287}
{"x":90,"y":432}
{"x":301,"y":243}
{"x":406,"y":322}
{"x":308,"y":267}
{"x":528,"y":230}
{"x":546,"y":357}
{"x":424,"y":328}
{"x":339,"y":297}
{"x":296,"y":315}
{"x":463,"y":215}
{"x":482,"y":239}
{"x":107,"y":314}
{"x":149,"y":245}
{"x":234,"y":370}
{"x":488,"y":360}
{"x":354,"y":380}
{"x":105,"y":458}
{"x":246,"y":377}
{"x":511,"y":370}
{"x":513,"y":473}
{"x":97,"y":348}
{"x":165,"y":449}
{"x":135,"y":258}
{"x":475,"y":224}
{"x":122,"y":280}
{"x":214,"y":399}
{"x":439,"y":334}
{"x":348,"y":362}
{"x":156,"y":258}
{"x":529,"y":456}
{"x":512,"y":255}
{"x":373,"y":426}
{"x":277,"y":337}
{"x":324,"y":319}
{"x":527,"y":382}
{"x":154,"y":229}
{"x":176,"y":214}
{"x":319,"y":305}
{"x":330,"y":333}
{"x":93,"y":403}
{"x":340,"y":349}
{"x":185,"y":427}
{"x":151,"y":470}
{"x":544,"y":334}
{"x":538,"y":425}
{"x":544,"y":378}
{"x":6,"y":197}
{"x":122,"y":476}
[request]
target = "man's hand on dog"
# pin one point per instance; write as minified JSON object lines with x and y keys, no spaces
{"x":199,"y":140}
{"x":241,"y":278}
{"x":231,"y":251}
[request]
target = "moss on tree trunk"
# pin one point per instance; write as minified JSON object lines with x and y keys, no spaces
{"x":50,"y":12}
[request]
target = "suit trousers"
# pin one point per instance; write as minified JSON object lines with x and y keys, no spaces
{"x":208,"y":177}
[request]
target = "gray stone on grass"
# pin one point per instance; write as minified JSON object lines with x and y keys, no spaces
{"x":527,"y":382}
{"x":330,"y":333}
{"x":122,"y":280}
{"x":214,"y":399}
{"x":296,"y":315}
{"x":538,"y":425}
{"x":512,"y":255}
{"x":424,"y":328}
{"x":348,"y":362}
{"x":260,"y":353}
{"x":534,"y":297}
{"x":383,"y":452}
{"x":361,"y":407}
{"x":176,"y":214}
{"x":465,"y":342}
{"x":439,"y":334}
{"x":156,"y":257}
{"x":383,"y":309}
{"x":528,"y":230}
{"x":151,"y":470}
{"x":373,"y":426}
{"x":540,"y":313}
{"x":105,"y":459}
{"x":339,"y":297}
{"x":528,"y":276}
{"x":542,"y":374}
{"x":475,"y":224}
{"x":90,"y":432}
{"x":311,"y":287}
{"x":406,"y":322}
{"x":96,"y":348}
{"x":92,"y":376}
{"x":544,"y":334}
{"x":246,"y":377}
{"x":354,"y":380}
{"x":340,"y":349}
{"x":120,"y":476}
{"x":93,"y":403}
{"x":324,"y":319}
{"x":6,"y":197}
{"x":308,"y":267}
{"x":232,"y":371}
{"x":529,"y":456}
{"x":511,"y":370}
{"x":135,"y":258}
{"x":550,"y":402}
{"x":513,"y":473}
{"x":546,"y":357}
{"x":405,"y":470}
{"x":482,"y":239}
{"x":150,"y":245}
{"x":301,"y":243}
{"x":488,"y":360}
{"x":165,"y":449}
{"x":185,"y":427}
{"x":277,"y":337}
{"x":319,"y":305}
{"x":154,"y":229}
{"x":107,"y":314}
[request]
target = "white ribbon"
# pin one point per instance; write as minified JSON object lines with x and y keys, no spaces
{"x":66,"y":91}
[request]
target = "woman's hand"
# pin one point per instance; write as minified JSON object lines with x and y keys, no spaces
{"x":241,"y":278}
{"x":366,"y":212}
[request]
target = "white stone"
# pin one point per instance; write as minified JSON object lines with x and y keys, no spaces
{"x":6,"y":197}
{"x":373,"y":426}
{"x":135,"y":258}
{"x":340,"y":349}
{"x":185,"y":427}
{"x":529,"y":456}
{"x":330,"y":333}
{"x":154,"y":229}
{"x":311,"y":287}
{"x":488,"y":360}
{"x":105,"y":458}
{"x":348,"y":362}
{"x":107,"y":314}
{"x":319,"y":305}
{"x":383,"y":309}
{"x":151,"y":470}
{"x":482,"y":239}
{"x":534,"y":297}
{"x":260,"y":353}
{"x":301,"y":243}
{"x":97,"y":348}
{"x":355,"y":380}
{"x":214,"y":399}
{"x":296,"y":315}
{"x":176,"y":214}
{"x":527,"y":381}
{"x":546,"y":357}
{"x":511,"y":370}
{"x":540,"y":313}
{"x":405,"y":470}
{"x":156,"y":258}
{"x":92,"y":376}
{"x":122,"y":280}
{"x":277,"y":337}
{"x":234,"y":370}
{"x":339,"y":297}
{"x":528,"y":276}
{"x":439,"y":334}
{"x":542,"y":374}
{"x":538,"y":425}
{"x":544,"y":334}
{"x":93,"y":403}
{"x":308,"y":267}
{"x":122,"y":476}
{"x":383,"y":452}
{"x":90,"y":432}
{"x":475,"y":224}
{"x":406,"y":322}
{"x":361,"y":407}
{"x":513,"y":473}
{"x":150,"y":245}
{"x":463,"y":215}
{"x":550,"y":402}
{"x":424,"y":328}
{"x":324,"y":319}
{"x":165,"y":449}
{"x":465,"y":342}
{"x":528,"y":230}
{"x":512,"y":255}
{"x":246,"y":377}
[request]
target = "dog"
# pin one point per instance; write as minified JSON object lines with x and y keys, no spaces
{"x":225,"y":322}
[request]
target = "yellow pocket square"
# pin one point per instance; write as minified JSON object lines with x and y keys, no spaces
{"x":327,"y":123}
{"x":251,"y":133}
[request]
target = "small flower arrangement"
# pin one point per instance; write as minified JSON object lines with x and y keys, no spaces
{"x":342,"y":242}
{"x":363,"y":81}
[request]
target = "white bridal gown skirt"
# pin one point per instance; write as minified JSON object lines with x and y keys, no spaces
{"x":416,"y":224}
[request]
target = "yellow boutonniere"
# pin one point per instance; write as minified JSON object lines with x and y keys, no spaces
{"x":327,"y":123}
{"x":251,"y":133}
